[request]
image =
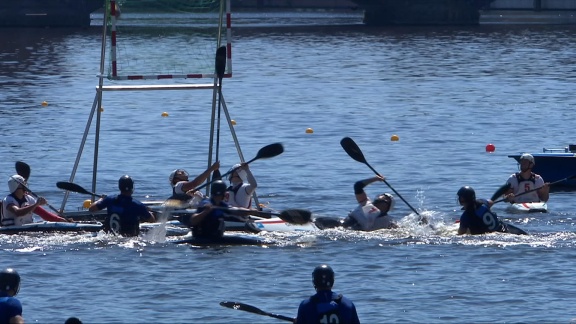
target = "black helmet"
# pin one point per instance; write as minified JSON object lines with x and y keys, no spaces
{"x":125,"y":183}
{"x":9,"y":280}
{"x":467,"y":194}
{"x":218,"y":188}
{"x":323,"y":276}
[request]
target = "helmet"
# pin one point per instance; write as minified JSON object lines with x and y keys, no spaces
{"x":528,"y":157}
{"x":15,"y":181}
{"x":323,"y":276}
{"x":9,"y":280}
{"x":383,"y":196}
{"x":232,"y":170}
{"x":125,"y":183}
{"x":180,"y":172}
{"x":218,"y":188}
{"x":467,"y":193}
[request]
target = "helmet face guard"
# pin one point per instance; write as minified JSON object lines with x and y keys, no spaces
{"x":178,"y":173}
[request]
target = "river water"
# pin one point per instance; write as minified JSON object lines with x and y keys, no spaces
{"x":446,"y":92}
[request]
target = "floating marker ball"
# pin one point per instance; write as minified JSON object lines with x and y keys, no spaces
{"x":394,"y":138}
{"x":86,"y":204}
{"x":164,"y":114}
{"x":44,"y":103}
{"x":101,"y":109}
{"x":309,"y":131}
{"x":490,"y":148}
{"x":233,"y":122}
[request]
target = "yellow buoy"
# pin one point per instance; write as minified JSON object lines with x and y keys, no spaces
{"x":101,"y":109}
{"x":233,"y":122}
{"x":164,"y":114}
{"x":309,"y":131}
{"x":394,"y":138}
{"x":86,"y":204}
{"x":44,"y":103}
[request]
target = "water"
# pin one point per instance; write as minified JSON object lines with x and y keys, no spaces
{"x":445,"y":91}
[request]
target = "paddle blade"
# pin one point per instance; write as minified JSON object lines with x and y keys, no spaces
{"x":69,"y":186}
{"x":23,"y":169}
{"x":244,"y":307}
{"x":352,"y":149}
{"x":216,"y":175}
{"x":296,"y":216}
{"x":269,"y":151}
{"x":502,"y":190}
{"x":220,"y":61}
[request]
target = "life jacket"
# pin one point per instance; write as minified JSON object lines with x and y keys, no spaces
{"x":328,"y":312}
{"x":232,"y":194}
{"x":489,"y":218}
{"x":520,"y":179}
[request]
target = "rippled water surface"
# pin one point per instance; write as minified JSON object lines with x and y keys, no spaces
{"x":445,"y":91}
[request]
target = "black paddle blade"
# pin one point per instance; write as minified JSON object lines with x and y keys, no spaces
{"x":220,"y":61}
{"x":502,"y":190}
{"x":253,"y":309}
{"x":269,"y":151}
{"x":352,"y":149}
{"x":216,"y":175}
{"x":242,"y":306}
{"x":23,"y":169}
{"x":296,"y":216}
{"x":69,"y":186}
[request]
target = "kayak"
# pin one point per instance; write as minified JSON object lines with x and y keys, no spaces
{"x":529,"y":207}
{"x":226,"y":240}
{"x":173,"y":228}
{"x":52,"y":227}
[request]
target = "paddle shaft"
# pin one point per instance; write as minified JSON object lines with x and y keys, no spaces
{"x":255,"y":310}
{"x":36,"y":196}
{"x":535,"y":189}
{"x":265,"y":152}
{"x":220,"y":68}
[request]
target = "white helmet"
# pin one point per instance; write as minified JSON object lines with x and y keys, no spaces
{"x":385,"y":195}
{"x":528,"y":157}
{"x":15,"y":181}
{"x":173,"y":174}
{"x":232,"y":170}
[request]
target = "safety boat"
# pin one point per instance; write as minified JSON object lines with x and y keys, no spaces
{"x":555,"y":165}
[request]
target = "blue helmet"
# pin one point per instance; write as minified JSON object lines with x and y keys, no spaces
{"x":218,"y":188}
{"x":323,"y":276}
{"x":125,"y":183}
{"x":467,"y":194}
{"x":9,"y":281}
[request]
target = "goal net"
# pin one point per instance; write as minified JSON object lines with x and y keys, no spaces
{"x":166,"y":39}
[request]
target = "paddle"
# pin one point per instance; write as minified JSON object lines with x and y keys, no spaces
{"x":255,"y":310}
{"x":266,"y":152}
{"x":354,"y":151}
{"x":505,"y":188}
{"x":23,"y":169}
{"x":69,"y":186}
{"x":220,"y":63}
{"x":292,"y":216}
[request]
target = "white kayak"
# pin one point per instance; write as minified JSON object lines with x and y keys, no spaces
{"x":528,"y":207}
{"x":173,"y":228}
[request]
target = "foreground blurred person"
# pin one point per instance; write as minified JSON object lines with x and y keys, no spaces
{"x":326,"y":306}
{"x":10,"y":306}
